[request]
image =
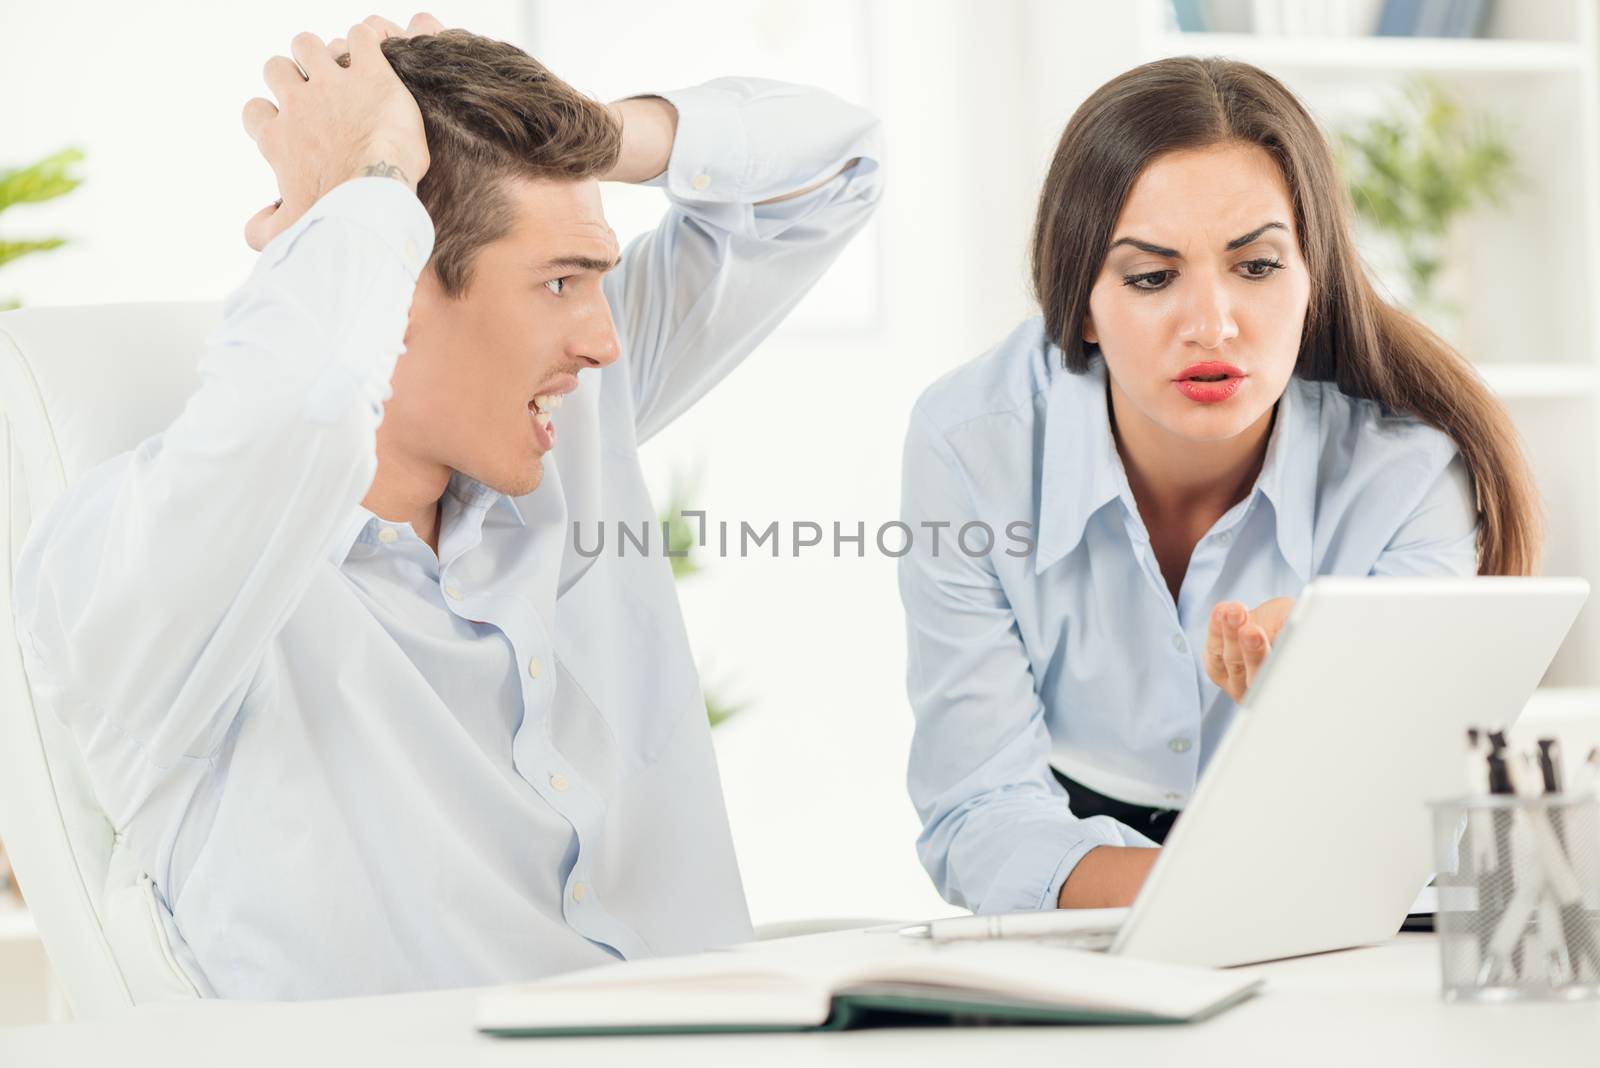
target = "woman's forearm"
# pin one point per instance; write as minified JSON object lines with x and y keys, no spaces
{"x":1107,"y":877}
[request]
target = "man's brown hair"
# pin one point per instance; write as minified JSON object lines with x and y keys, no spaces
{"x":491,"y":111}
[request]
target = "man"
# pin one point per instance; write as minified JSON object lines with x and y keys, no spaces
{"x":347,"y":693}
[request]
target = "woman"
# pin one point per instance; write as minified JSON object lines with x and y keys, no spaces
{"x":1214,"y":408}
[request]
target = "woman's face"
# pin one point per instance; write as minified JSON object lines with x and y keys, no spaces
{"x":1199,"y":306}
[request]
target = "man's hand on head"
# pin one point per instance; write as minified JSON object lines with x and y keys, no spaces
{"x":332,"y":123}
{"x":421,"y":25}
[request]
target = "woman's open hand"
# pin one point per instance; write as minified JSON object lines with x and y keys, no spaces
{"x":1239,"y":641}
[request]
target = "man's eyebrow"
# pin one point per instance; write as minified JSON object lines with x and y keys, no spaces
{"x":1173,"y":254}
{"x":578,"y":263}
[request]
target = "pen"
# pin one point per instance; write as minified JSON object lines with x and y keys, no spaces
{"x":1049,"y":923}
{"x":1580,"y":940}
{"x":1502,"y":893}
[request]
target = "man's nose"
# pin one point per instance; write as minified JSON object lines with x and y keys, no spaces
{"x":596,"y":343}
{"x":1208,"y":315}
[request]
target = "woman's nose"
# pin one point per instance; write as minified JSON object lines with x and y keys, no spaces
{"x":1208,"y":316}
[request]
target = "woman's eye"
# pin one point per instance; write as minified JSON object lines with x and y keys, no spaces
{"x":1150,"y":280}
{"x":556,"y":285}
{"x":1261,"y":268}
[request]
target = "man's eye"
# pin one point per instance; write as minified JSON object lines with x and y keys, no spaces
{"x":556,"y":285}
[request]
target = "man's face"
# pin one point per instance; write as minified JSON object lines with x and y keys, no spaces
{"x":532,"y":317}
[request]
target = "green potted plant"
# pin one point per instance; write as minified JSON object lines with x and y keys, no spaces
{"x":35,"y":183}
{"x":1412,"y":173}
{"x":683,"y":549}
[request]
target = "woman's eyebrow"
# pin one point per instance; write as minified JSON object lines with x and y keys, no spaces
{"x":1241,"y":242}
{"x":1174,"y":254}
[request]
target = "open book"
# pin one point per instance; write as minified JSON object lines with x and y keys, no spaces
{"x":873,"y":978}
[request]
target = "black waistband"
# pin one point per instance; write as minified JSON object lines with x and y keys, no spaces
{"x":1153,"y":823}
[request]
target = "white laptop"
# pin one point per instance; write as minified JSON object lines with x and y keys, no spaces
{"x":1309,"y":830}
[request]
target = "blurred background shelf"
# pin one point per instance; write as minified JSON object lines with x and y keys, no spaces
{"x":1391,"y":54}
{"x":1542,"y":381}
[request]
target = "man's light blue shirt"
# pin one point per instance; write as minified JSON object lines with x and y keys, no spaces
{"x":349,"y":765}
{"x":1071,"y":651}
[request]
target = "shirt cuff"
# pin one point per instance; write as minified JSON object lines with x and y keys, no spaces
{"x":385,"y":207}
{"x":743,"y":140}
{"x":1032,"y":878}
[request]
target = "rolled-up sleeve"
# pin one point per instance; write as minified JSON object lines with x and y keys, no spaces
{"x":695,"y":295}
{"x":997,"y":833}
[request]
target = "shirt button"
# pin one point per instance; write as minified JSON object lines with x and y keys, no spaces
{"x":1179,"y":745}
{"x":1179,"y":643}
{"x":1173,"y":798}
{"x":534,"y":668}
{"x":411,"y":249}
{"x":1225,"y":538}
{"x":387,"y":535}
{"x":701,"y":182}
{"x":578,"y":890}
{"x":559,"y":783}
{"x":453,"y":592}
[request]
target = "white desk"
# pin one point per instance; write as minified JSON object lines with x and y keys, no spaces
{"x":1365,"y":1008}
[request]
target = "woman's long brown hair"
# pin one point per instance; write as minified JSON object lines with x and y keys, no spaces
{"x":1352,"y":337}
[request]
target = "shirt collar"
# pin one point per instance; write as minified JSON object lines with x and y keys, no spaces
{"x":1289,"y":474}
{"x":473,"y":497}
{"x":1080,"y":468}
{"x":1081,"y":471}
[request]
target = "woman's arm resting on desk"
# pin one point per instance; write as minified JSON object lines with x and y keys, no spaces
{"x":1107,"y":877}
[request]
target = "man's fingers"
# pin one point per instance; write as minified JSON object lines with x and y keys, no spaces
{"x":423,"y":23}
{"x":363,"y":42}
{"x":339,"y":49}
{"x":283,"y":77}
{"x":257,"y":113}
{"x":260,"y":229}
{"x":312,"y":55}
{"x":383,"y":27}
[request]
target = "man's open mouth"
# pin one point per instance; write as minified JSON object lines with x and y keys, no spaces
{"x":541,"y":407}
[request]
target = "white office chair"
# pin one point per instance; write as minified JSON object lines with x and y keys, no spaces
{"x":78,"y":386}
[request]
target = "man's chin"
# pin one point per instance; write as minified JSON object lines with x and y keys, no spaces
{"x":527,"y":481}
{"x":520,"y":483}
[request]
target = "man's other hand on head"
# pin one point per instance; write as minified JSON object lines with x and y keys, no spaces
{"x":333,"y":122}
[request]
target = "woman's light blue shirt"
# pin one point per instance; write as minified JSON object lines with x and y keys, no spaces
{"x":1074,"y":653}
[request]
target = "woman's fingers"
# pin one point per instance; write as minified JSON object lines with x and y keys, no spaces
{"x":1234,"y":617}
{"x":1256,"y":645}
{"x":1216,"y":670}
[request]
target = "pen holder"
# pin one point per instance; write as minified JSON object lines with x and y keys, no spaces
{"x":1519,"y":897}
